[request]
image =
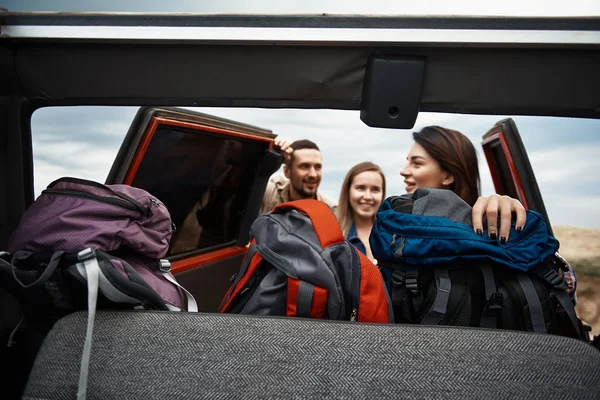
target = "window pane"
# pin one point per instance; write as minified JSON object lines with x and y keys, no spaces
{"x":204,"y":179}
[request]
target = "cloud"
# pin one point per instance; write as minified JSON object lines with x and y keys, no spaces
{"x":567,"y":164}
{"x":77,"y":141}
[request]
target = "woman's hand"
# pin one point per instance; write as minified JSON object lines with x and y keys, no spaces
{"x":493,"y":206}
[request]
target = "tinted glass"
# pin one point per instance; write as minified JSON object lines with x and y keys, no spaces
{"x":504,"y":174}
{"x":204,"y":179}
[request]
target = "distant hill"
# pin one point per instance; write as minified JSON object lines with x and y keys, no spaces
{"x":581,"y":247}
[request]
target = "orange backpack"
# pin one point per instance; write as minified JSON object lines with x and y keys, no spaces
{"x":299,"y":265}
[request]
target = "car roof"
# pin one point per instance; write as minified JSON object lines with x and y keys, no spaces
{"x":474,"y":65}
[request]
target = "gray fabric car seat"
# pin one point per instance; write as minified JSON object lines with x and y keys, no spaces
{"x":161,"y":355}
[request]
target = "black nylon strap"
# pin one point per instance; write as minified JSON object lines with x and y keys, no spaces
{"x":440,"y":304}
{"x":239,"y":275}
{"x":566,"y":303}
{"x":49,"y":269}
{"x":558,"y":287}
{"x":398,"y":287}
{"x":533,"y":302}
{"x":304,"y":301}
{"x":489,"y":316}
{"x":489,"y":281}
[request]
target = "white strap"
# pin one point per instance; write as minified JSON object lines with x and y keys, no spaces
{"x":192,"y":306}
{"x":92,"y":271}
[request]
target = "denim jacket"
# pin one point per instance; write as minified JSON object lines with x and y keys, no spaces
{"x":352,"y":237}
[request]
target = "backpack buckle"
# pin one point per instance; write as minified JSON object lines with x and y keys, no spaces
{"x":554,"y":279}
{"x":495,"y":302}
{"x":86,"y":254}
{"x":164,"y":266}
{"x":411,"y":282}
{"x":408,"y":279}
{"x":397,"y":278}
{"x":558,"y":261}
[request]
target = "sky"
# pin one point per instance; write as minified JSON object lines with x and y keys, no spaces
{"x":83,"y":141}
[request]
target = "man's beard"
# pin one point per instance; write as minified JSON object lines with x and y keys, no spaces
{"x":303,"y":193}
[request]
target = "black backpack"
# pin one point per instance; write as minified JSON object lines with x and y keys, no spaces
{"x":439,"y":272}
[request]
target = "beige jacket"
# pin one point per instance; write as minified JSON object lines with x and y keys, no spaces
{"x":278,"y":191}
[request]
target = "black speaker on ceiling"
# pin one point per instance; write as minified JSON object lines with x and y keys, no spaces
{"x":391,"y":93}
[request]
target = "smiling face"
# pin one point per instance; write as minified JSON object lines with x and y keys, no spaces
{"x":423,"y":171}
{"x":366,"y":194}
{"x":304,"y":173}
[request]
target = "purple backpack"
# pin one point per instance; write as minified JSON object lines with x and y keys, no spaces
{"x":84,"y":245}
{"x":125,"y":229}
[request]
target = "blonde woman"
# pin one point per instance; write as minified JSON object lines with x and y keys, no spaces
{"x":362,"y":193}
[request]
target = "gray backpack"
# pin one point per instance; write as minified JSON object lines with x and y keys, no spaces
{"x":299,"y":265}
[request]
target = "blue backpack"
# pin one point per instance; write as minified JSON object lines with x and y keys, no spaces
{"x":439,"y":271}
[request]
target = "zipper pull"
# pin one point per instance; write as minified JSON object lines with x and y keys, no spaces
{"x":393,"y":241}
{"x":354,"y":315}
{"x":155,"y":202}
{"x":398,"y":252}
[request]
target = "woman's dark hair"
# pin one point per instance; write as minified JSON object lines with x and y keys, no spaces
{"x":456,"y":154}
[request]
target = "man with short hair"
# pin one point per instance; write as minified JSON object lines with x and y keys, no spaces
{"x":302,"y":166}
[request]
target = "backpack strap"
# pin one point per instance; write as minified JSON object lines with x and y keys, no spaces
{"x":89,"y":261}
{"x":165,"y":270}
{"x":559,"y":289}
{"x":305,"y":299}
{"x":251,"y":262}
{"x":440,"y":303}
{"x":304,"y":296}
{"x":533,"y":302}
{"x":45,"y":275}
{"x":321,"y":216}
{"x":404,"y":288}
{"x":397,"y":287}
{"x":489,"y":316}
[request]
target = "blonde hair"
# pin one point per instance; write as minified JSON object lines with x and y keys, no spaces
{"x":344,"y":210}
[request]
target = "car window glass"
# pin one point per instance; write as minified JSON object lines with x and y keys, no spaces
{"x":504,"y":173}
{"x":204,"y":179}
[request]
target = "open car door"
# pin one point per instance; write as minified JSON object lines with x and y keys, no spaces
{"x":509,"y":165}
{"x":211,"y":174}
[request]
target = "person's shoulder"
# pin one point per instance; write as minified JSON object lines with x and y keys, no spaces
{"x":275,"y":184}
{"x":273,"y":193}
{"x":278,"y":180}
